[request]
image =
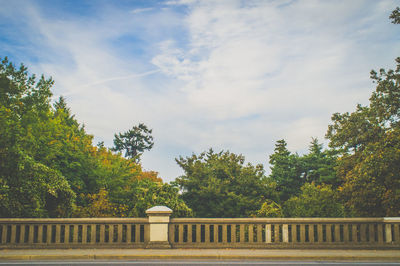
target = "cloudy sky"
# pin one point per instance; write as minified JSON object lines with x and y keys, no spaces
{"x":232,"y":75}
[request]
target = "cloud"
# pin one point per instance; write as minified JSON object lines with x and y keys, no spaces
{"x":141,"y":10}
{"x":235,"y":75}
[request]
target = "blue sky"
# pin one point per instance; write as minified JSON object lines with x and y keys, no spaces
{"x":232,"y":75}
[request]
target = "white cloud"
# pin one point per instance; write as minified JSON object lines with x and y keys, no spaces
{"x":141,"y":10}
{"x":235,"y":75}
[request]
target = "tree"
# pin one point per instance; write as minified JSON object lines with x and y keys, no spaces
{"x":29,"y":187}
{"x":286,"y":171}
{"x":368,"y":144}
{"x":314,"y":201}
{"x":395,"y":16}
{"x":318,"y":165}
{"x":221,"y":185}
{"x":134,"y":141}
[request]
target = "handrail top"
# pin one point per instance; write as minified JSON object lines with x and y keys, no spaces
{"x":287,"y":220}
{"x":74,"y":220}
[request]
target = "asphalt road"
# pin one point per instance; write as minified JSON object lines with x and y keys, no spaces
{"x":192,"y":263}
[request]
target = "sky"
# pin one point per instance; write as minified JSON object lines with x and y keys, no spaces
{"x":228,"y":75}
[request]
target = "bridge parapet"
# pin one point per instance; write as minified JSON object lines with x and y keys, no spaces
{"x":159,"y":231}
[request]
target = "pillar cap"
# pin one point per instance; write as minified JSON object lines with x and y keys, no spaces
{"x":159,"y":210}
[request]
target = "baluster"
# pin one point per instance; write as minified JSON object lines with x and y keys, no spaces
{"x":337,"y":233}
{"x":189,"y":233}
{"x":242,"y":234}
{"x":102,"y":233}
{"x":276,"y":233}
{"x":119,"y":230}
{"x":216,"y":233}
{"x":207,"y":233}
{"x":294,"y":233}
{"x":397,"y":233}
{"x":137,"y":233}
{"x":311,"y":233}
{"x":225,"y":233}
{"x":285,"y":233}
{"x":75,"y":234}
{"x":67,"y":233}
{"x":388,"y":231}
{"x":180,"y":233}
{"x":329,"y":233}
{"x":371,"y":232}
{"x":31,"y":233}
{"x":93,"y":233}
{"x":40,"y":233}
{"x":251,"y":233}
{"x":4,"y":234}
{"x":346,"y":233}
{"x":233,"y":233}
{"x":129,"y":233}
{"x":171,"y":233}
{"x":354,"y":233}
{"x":268,"y":233}
{"x":49,"y":233}
{"x":259,"y":233}
{"x":302,"y":233}
{"x":13,"y":239}
{"x":320,"y":233}
{"x":84,"y":233}
{"x":146,"y":228}
{"x":380,"y":233}
{"x":111,"y":233}
{"x":363,"y":233}
{"x":198,"y":233}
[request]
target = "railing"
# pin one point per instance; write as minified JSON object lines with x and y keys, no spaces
{"x":159,"y":231}
{"x":79,"y":232}
{"x":285,"y":233}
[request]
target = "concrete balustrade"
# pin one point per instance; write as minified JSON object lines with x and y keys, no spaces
{"x":159,"y":231}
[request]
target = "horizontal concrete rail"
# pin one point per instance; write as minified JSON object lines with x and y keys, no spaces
{"x":285,"y":233}
{"x":159,"y":231}
{"x":70,"y":233}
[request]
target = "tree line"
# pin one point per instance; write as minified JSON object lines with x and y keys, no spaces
{"x":49,"y":166}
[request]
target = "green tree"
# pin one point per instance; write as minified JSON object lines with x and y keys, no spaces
{"x":319,"y":165}
{"x":368,"y":144}
{"x":314,"y":201}
{"x":29,"y":187}
{"x":286,"y":171}
{"x":135,"y":141}
{"x":221,"y":185}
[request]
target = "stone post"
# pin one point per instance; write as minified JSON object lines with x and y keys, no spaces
{"x":159,"y":221}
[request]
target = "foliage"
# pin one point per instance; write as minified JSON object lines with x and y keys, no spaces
{"x":29,"y":186}
{"x":286,"y":171}
{"x":134,"y":141}
{"x":319,"y":165}
{"x":368,"y":142}
{"x":100,"y":206}
{"x":314,"y":201}
{"x":270,"y":209}
{"x":395,"y":16}
{"x":145,"y":194}
{"x":221,"y":185}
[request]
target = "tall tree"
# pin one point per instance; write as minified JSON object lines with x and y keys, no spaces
{"x":286,"y":171}
{"x":368,"y":141}
{"x":29,"y":187}
{"x":319,"y":164}
{"x":134,"y":142}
